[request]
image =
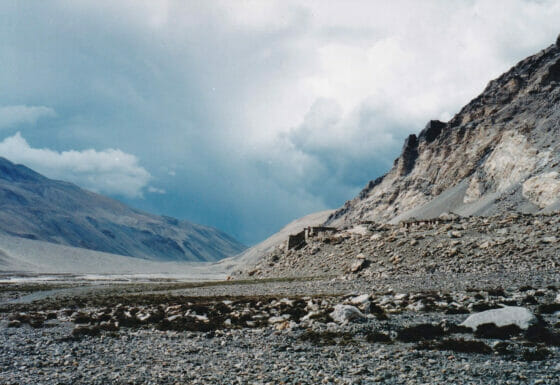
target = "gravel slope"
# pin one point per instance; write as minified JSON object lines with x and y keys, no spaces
{"x":448,"y":245}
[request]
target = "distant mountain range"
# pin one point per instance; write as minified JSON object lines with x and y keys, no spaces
{"x":35,"y":207}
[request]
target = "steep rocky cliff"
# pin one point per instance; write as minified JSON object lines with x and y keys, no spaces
{"x":499,"y":153}
{"x":35,"y":207}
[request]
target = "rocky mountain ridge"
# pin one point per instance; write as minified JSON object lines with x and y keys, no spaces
{"x":38,"y":208}
{"x":498,"y":154}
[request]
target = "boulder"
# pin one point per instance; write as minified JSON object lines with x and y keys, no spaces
{"x":454,"y":234}
{"x":359,"y":300}
{"x":549,"y":239}
{"x":357,"y":265}
{"x":508,"y":315}
{"x":346,"y":313}
{"x":362,"y":302}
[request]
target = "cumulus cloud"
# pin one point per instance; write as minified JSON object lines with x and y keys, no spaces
{"x":11,"y":116}
{"x":109,"y":171}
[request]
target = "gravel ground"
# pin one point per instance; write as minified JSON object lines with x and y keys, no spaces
{"x":32,"y":356}
{"x":252,"y":350}
{"x":449,"y":245}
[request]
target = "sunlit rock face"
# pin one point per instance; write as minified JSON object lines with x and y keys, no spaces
{"x":499,"y":153}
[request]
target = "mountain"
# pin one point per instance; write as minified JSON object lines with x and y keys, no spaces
{"x":38,"y":208}
{"x":500,"y":153}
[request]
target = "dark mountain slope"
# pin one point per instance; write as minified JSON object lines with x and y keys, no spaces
{"x":35,"y":207}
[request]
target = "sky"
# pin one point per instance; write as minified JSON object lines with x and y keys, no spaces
{"x":243,"y":115}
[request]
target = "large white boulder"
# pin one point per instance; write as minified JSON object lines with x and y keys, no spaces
{"x":508,"y":315}
{"x":346,"y":313}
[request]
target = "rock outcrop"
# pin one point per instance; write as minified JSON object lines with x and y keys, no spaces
{"x":499,"y":153}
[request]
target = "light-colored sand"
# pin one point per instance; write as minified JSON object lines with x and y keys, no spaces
{"x":23,"y":256}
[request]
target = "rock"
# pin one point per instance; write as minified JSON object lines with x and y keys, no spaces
{"x":360,"y":256}
{"x":558,"y":41}
{"x":286,"y":325}
{"x":311,"y":315}
{"x":201,"y":318}
{"x":484,"y":245}
{"x":454,"y":234}
{"x":375,"y":237}
{"x":278,"y":319}
{"x":362,"y":302}
{"x":80,"y":318}
{"x":346,"y":313}
{"x":417,"y":306}
{"x":109,"y":326}
{"x":357,"y":265}
{"x":14,"y":324}
{"x":85,"y":331}
{"x":508,"y":315}
{"x":143,"y":316}
{"x":359,"y":300}
{"x":548,"y":240}
{"x":447,"y":216}
{"x":36,"y":322}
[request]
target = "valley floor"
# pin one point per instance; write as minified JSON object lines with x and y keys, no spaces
{"x":278,"y":331}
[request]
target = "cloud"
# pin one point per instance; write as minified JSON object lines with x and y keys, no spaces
{"x":156,"y":190}
{"x":250,"y":114}
{"x":109,"y":171}
{"x":11,"y":116}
